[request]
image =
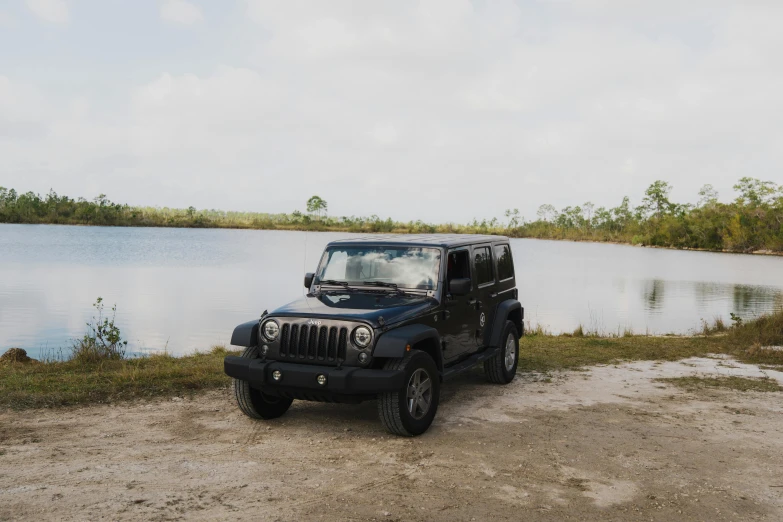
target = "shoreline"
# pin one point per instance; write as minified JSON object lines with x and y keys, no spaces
{"x":505,"y":232}
{"x":28,"y":384}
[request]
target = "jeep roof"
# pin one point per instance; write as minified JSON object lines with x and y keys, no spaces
{"x":430,"y":240}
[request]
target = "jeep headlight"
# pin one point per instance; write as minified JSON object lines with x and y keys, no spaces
{"x":362,"y":337}
{"x":271,"y":330}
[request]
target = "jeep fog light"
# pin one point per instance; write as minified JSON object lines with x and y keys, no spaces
{"x":363,"y":357}
{"x":277,"y":375}
{"x":321,"y":379}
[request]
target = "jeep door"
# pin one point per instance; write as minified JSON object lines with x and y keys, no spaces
{"x":460,"y":317}
{"x":486,"y":291}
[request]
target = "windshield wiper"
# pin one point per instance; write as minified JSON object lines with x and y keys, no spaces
{"x":343,"y":284}
{"x":333,"y":282}
{"x":386,"y":284}
{"x":381,"y":283}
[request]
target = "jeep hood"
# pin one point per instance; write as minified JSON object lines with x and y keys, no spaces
{"x":359,"y":306}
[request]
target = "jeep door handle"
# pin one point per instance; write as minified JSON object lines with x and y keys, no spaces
{"x":475,"y":303}
{"x":493,"y":295}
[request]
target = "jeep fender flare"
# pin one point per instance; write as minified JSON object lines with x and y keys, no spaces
{"x":504,"y":310}
{"x":246,"y":334}
{"x":392,"y":344}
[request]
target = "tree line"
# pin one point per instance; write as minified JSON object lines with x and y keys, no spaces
{"x":752,"y":221}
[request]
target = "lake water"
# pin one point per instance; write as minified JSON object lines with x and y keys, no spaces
{"x":185,"y":290}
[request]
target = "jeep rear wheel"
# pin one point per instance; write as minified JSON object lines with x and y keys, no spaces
{"x":254,"y":403}
{"x":502,"y":368}
{"x":411,"y":410}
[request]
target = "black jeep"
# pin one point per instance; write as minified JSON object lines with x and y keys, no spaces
{"x":386,"y":318}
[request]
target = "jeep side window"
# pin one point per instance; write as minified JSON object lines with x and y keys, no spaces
{"x":505,"y":263}
{"x":459,"y":266}
{"x":483,"y":264}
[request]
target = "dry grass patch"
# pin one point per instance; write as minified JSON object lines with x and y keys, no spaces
{"x":14,"y":356}
{"x":546,"y":353}
{"x":744,"y":384}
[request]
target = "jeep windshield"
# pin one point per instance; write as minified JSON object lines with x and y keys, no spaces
{"x":382,"y":267}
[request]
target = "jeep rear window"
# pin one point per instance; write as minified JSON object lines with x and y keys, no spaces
{"x":505,"y":263}
{"x":406,"y":267}
{"x":483,"y":263}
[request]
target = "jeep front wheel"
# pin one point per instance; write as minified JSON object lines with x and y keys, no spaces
{"x":411,"y":410}
{"x":502,"y":367}
{"x":254,"y":403}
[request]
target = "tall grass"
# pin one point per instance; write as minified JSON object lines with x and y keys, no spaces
{"x":717,"y":326}
{"x":758,"y":336}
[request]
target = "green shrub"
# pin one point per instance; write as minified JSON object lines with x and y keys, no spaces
{"x":103,"y":340}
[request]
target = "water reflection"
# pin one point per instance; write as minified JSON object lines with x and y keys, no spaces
{"x":654,"y":293}
{"x":749,"y":299}
{"x":187,"y":289}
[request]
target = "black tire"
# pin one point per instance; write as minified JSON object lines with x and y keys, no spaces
{"x":393,"y":407}
{"x":254,"y":403}
{"x":496,"y":368}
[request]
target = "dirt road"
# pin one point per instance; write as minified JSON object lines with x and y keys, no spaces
{"x":609,"y":443}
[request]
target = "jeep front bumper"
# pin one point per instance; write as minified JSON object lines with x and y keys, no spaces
{"x":345,"y":380}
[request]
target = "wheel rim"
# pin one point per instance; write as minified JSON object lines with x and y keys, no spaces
{"x":419,"y":394}
{"x":511,"y":353}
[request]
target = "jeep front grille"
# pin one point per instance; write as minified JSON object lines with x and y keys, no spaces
{"x":315,"y":343}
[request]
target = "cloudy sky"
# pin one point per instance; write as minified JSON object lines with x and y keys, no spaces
{"x":440,"y":110}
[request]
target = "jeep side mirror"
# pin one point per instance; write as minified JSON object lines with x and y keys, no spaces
{"x":459,"y":286}
{"x":309,"y":276}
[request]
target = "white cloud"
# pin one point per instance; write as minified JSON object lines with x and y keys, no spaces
{"x":483,"y":106}
{"x":180,"y":12}
{"x":6,"y":20}
{"x":53,"y":11}
{"x":385,"y":134}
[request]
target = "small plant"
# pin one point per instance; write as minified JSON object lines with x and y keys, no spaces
{"x":735,"y":319}
{"x":103,"y":340}
{"x":705,"y":328}
{"x":537,"y":329}
{"x":720,"y":326}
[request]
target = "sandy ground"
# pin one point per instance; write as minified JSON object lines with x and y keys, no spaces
{"x":609,"y":443}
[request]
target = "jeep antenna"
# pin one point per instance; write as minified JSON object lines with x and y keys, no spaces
{"x":304,"y":260}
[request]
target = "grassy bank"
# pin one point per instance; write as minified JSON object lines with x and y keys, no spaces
{"x":52,"y":384}
{"x":62,"y":383}
{"x":752,"y":222}
{"x":747,"y":342}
